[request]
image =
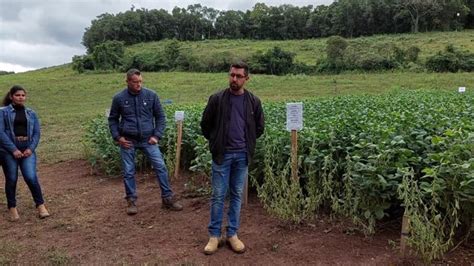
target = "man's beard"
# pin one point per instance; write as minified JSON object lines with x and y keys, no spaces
{"x":234,"y":86}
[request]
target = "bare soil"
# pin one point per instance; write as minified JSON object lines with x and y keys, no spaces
{"x":89,"y":225}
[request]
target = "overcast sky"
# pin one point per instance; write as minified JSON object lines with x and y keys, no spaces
{"x":43,"y":33}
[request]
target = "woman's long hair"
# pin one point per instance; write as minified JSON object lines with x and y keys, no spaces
{"x":7,"y":100}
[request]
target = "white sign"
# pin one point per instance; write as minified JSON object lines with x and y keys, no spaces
{"x":462,"y":89}
{"x":178,"y":116}
{"x":294,"y":116}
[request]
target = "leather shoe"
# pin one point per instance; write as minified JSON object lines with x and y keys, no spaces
{"x":14,"y":214}
{"x":132,"y":207}
{"x":236,"y":245}
{"x":171,"y":204}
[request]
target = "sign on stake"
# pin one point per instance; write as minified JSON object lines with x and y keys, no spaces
{"x":294,"y":123}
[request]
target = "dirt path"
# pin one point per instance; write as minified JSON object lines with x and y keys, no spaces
{"x":89,"y":225}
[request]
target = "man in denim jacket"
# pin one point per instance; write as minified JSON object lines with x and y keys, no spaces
{"x":137,"y":121}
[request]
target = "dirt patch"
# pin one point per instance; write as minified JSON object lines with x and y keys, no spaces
{"x":89,"y":225}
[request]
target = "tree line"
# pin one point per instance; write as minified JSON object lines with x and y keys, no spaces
{"x":347,"y":18}
{"x":341,"y":55}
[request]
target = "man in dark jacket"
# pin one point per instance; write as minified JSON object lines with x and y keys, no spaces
{"x":232,"y":121}
{"x":137,"y":121}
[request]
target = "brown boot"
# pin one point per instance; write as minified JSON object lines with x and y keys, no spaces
{"x":14,"y":214}
{"x":132,"y":207}
{"x":171,"y":204}
{"x":213,"y":244}
{"x":236,"y":245}
{"x":42,"y":212}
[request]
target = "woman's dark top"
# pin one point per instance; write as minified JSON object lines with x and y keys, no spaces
{"x":19,"y":125}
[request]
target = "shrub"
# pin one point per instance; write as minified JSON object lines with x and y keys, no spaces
{"x":172,"y":54}
{"x":451,"y":60}
{"x":2,"y":72}
{"x":447,"y":62}
{"x":274,"y":62}
{"x":81,"y":63}
{"x":412,"y":53}
{"x":145,"y":62}
{"x":218,"y":62}
{"x":108,"y":55}
{"x":187,"y":61}
{"x":335,"y":47}
{"x":371,"y":61}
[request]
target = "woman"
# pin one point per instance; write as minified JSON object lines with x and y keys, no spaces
{"x":19,"y":136}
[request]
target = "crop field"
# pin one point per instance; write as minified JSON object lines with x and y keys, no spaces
{"x":363,"y":157}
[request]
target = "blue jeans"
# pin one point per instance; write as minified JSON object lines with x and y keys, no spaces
{"x":28,"y":170}
{"x":153,"y":153}
{"x":230,"y":174}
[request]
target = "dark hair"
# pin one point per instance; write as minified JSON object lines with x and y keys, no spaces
{"x":7,"y":99}
{"x":241,"y":64}
{"x":131,"y":72}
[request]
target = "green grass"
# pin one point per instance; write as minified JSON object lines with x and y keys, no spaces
{"x":57,"y":256}
{"x":65,"y":100}
{"x":311,"y":50}
{"x":8,"y":252}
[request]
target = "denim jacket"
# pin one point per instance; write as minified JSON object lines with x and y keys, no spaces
{"x":136,"y":116}
{"x":7,"y":134}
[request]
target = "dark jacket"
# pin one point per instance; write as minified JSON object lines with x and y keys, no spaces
{"x":7,"y":134}
{"x":136,"y":116}
{"x":216,"y":117}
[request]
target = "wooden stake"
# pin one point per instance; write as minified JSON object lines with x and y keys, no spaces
{"x":178,"y":148}
{"x":294,"y":155}
{"x":404,"y":235}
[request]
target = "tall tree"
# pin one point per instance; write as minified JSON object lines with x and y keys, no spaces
{"x":210,"y":15}
{"x":259,"y":17}
{"x":418,"y":9}
{"x":319,"y":23}
{"x":229,"y":24}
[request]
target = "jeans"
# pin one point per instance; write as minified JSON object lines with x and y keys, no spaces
{"x":230,"y":174}
{"x":28,"y":170}
{"x":152,"y":152}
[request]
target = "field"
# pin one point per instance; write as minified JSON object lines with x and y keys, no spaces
{"x":66,"y":100}
{"x":385,"y":129}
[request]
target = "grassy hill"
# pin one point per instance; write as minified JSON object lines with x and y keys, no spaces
{"x":312,"y":50}
{"x":65,"y":100}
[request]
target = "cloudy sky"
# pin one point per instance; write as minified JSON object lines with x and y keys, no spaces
{"x":43,"y":33}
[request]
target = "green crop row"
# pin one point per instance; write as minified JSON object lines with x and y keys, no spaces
{"x":364,"y":157}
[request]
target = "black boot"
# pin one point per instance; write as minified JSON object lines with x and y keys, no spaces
{"x":172,"y":204}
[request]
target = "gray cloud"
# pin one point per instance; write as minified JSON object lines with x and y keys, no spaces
{"x":35,"y":34}
{"x":10,"y":10}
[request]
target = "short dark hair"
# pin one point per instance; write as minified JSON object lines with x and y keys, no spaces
{"x":7,"y":99}
{"x":241,"y":64}
{"x":131,"y":72}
